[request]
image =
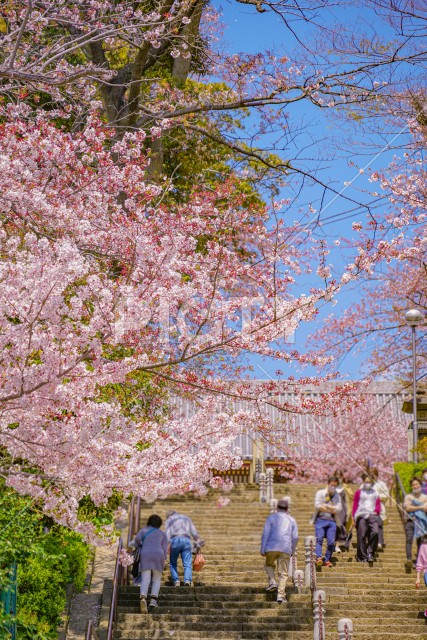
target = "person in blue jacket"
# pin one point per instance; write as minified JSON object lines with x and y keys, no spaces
{"x":278,"y":544}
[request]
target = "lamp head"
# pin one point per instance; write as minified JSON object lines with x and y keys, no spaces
{"x":414,"y":317}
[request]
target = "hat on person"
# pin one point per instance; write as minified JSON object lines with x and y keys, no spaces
{"x":283,"y":503}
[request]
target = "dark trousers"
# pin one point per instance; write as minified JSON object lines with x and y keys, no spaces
{"x":367,"y":536}
{"x":409,"y":533}
{"x":380,"y":531}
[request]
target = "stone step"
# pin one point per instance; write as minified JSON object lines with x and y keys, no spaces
{"x":228,"y":600}
{"x":377,"y":634}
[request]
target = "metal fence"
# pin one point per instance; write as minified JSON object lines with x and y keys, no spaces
{"x":8,"y":600}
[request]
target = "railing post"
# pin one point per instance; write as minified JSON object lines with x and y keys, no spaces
{"x":258,"y":455}
{"x":299,"y":579}
{"x":310,"y":571}
{"x":262,"y":488}
{"x":319,"y":598}
{"x":293,"y":561}
{"x":273,"y":505}
{"x":257,"y":471}
{"x":345,"y":629}
{"x":270,"y":486}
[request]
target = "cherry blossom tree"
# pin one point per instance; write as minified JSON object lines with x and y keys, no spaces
{"x":106,"y":288}
{"x":395,"y":279}
{"x":120,"y":291}
{"x":366,"y":434}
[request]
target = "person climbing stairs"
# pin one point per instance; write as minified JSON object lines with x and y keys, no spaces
{"x":228,"y":599}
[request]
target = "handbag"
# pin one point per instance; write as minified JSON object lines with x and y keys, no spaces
{"x":137,"y":555}
{"x":198,"y":562}
{"x":135,"y":564}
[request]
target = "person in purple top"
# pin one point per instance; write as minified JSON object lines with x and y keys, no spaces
{"x":154,"y":551}
{"x":424,"y":481}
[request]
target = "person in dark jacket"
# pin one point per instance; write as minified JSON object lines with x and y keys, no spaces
{"x":278,"y":544}
{"x":154,"y":550}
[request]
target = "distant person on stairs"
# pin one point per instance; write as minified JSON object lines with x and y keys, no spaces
{"x":366,"y":513}
{"x":154,"y":551}
{"x":328,"y":506}
{"x":424,"y":481}
{"x":278,"y":544}
{"x":343,"y":517}
{"x":382,"y":489}
{"x":179,"y":530}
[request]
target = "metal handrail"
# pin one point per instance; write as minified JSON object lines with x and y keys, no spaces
{"x":133,"y":528}
{"x":130,"y":525}
{"x":138,"y":514}
{"x":120,"y":573}
{"x":90,"y":632}
{"x":118,"y":577}
{"x":400,"y":493}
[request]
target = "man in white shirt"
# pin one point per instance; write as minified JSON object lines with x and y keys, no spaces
{"x":327,"y":503}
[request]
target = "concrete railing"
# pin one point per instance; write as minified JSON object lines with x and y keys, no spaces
{"x":262,"y":488}
{"x":270,"y":484}
{"x":310,"y":563}
{"x":319,"y":598}
{"x":345,"y":625}
{"x":345,"y":629}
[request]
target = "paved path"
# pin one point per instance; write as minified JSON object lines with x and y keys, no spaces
{"x":87,"y":605}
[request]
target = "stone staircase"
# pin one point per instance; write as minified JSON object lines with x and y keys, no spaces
{"x":228,"y":599}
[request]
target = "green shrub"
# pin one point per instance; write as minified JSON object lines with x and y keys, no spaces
{"x":46,"y":564}
{"x":60,"y":557}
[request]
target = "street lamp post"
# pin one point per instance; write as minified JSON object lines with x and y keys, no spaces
{"x":414,"y":317}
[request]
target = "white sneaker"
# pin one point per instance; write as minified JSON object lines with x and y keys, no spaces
{"x":281,"y":599}
{"x":272,"y":586}
{"x":143,"y":604}
{"x":177,"y":583}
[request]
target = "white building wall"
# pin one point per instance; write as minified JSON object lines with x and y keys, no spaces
{"x":302,"y":429}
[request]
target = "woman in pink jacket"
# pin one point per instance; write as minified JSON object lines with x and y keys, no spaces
{"x":421,"y":565}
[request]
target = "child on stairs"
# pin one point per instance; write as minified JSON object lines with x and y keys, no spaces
{"x":421,"y":565}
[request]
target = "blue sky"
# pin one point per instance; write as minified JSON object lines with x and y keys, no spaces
{"x":248,"y":31}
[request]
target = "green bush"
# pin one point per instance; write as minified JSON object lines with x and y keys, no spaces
{"x":60,"y":557}
{"x":407,"y":470}
{"x":46,"y":564}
